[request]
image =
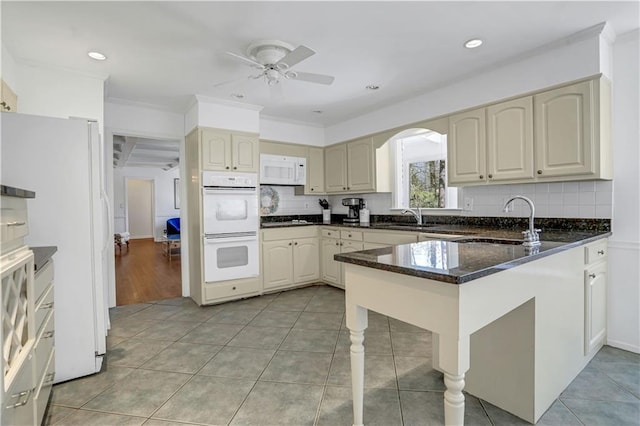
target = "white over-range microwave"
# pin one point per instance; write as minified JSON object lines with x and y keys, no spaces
{"x":282,"y":170}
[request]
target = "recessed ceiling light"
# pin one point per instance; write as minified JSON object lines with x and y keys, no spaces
{"x":97,"y":56}
{"x":372,"y":87}
{"x":473,"y":43}
{"x":237,"y":95}
{"x":317,"y":111}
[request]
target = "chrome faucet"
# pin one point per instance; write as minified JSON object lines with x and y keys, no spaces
{"x":531,"y":237}
{"x":417,"y":215}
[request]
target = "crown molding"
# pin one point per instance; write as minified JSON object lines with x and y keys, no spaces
{"x":224,"y":102}
{"x":291,"y":121}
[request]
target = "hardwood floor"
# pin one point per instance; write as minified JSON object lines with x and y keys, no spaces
{"x":144,"y":274}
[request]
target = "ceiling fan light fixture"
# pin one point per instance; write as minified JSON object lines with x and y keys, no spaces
{"x":473,"y":43}
{"x":290,"y":74}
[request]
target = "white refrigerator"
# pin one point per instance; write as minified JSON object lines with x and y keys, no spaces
{"x":61,"y":160}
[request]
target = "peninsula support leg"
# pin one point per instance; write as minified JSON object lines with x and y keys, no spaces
{"x":357,"y":323}
{"x":454,"y":362}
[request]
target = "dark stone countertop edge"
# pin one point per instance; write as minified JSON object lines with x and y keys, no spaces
{"x":356,"y":259}
{"x":16,"y":192}
{"x":41,"y":255}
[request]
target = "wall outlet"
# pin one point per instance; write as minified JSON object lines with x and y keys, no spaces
{"x":468,"y":204}
{"x":306,"y":205}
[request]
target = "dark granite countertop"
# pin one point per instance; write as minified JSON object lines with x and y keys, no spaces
{"x":466,"y":259}
{"x":16,"y":192}
{"x":41,"y":255}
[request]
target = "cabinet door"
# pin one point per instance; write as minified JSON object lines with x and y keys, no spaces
{"x":315,"y":171}
{"x":564,"y":131}
{"x":245,"y":153}
{"x":216,"y":150}
{"x":595,"y":309}
{"x":306,"y":260}
{"x":360,"y":169}
{"x":335,"y":168}
{"x":466,"y":145}
{"x":277,"y":263}
{"x":330,"y":268}
{"x":8,"y":98}
{"x":510,"y":140}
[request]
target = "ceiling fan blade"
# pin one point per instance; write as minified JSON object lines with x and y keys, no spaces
{"x":247,"y":60}
{"x":297,"y":55}
{"x":313,"y":78}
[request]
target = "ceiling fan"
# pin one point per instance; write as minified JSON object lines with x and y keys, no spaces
{"x":275,"y":58}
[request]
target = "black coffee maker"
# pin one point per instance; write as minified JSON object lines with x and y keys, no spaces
{"x":354,"y":204}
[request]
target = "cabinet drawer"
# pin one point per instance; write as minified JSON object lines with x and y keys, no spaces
{"x":348,"y":246}
{"x":307,"y":231}
{"x":13,"y":224}
{"x":17,"y":404}
{"x":44,"y":306}
{"x":330,"y":233}
{"x":351,"y":235}
{"x":42,"y":351}
{"x":42,"y":279}
{"x":390,"y":238}
{"x":46,"y":331}
{"x":43,"y":388}
{"x":213,"y":292}
{"x":595,"y":251}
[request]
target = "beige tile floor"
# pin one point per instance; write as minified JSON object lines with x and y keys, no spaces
{"x":283,"y":359}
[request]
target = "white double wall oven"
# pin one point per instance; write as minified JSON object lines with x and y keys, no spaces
{"x":231,"y":222}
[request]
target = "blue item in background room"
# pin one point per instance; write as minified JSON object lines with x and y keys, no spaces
{"x":173,"y":226}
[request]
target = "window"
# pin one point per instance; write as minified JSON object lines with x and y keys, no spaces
{"x":421,"y":171}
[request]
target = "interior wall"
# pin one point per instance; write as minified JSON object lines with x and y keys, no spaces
{"x":231,"y":116}
{"x":8,"y":68}
{"x":163,"y":196}
{"x":56,"y":93}
{"x":275,"y":129}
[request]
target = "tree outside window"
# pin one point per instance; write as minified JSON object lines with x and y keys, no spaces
{"x":421,"y":171}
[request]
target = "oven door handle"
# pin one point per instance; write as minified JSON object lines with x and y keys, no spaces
{"x":225,"y":240}
{"x":228,"y":191}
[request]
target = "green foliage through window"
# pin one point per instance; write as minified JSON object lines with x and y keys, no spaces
{"x":427,"y":184}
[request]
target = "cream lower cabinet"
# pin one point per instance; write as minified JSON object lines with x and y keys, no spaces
{"x":595,"y":296}
{"x":290,"y":256}
{"x":335,"y":241}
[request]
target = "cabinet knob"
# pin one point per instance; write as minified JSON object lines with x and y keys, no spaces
{"x":349,"y":235}
{"x":312,"y":189}
{"x":343,"y":188}
{"x":348,"y":187}
{"x":490,"y":176}
{"x":341,"y":243}
{"x":289,"y":243}
{"x":592,"y":275}
{"x":600,"y":252}
{"x":481,"y":176}
{"x":233,"y":288}
{"x":235,"y":168}
{"x":539,"y":172}
{"x":337,"y":243}
{"x":295,"y":244}
{"x":227,"y":167}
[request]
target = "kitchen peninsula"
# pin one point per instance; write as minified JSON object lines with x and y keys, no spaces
{"x":511,"y":325}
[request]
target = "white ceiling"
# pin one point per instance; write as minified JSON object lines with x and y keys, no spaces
{"x":164,"y":52}
{"x":131,"y":151}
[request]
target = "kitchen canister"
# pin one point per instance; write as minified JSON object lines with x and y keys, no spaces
{"x":364,"y":215}
{"x":326,"y":216}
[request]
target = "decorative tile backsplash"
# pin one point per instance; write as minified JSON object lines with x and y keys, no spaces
{"x":585,"y":199}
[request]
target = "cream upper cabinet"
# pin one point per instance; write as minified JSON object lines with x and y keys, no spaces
{"x":466,"y":147}
{"x":349,"y":167}
{"x":315,"y":171}
{"x":360,"y":165}
{"x":335,"y":168}
{"x":510,"y":140}
{"x":223,"y":150}
{"x":564,"y":120}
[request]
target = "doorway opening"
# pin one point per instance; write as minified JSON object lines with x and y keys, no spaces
{"x":145,"y":199}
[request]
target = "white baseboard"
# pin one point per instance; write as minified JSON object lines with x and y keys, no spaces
{"x":624,"y":346}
